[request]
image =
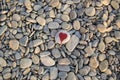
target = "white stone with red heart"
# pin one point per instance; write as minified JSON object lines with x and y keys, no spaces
{"x":62,"y":37}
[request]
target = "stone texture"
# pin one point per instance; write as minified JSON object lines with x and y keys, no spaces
{"x":65,"y":18}
{"x":3,"y":29}
{"x":103,"y":66}
{"x":14,"y":44}
{"x":76,"y":25}
{"x":64,"y":61}
{"x":101,"y":46}
{"x":94,"y":63}
{"x":23,"y":41}
{"x":89,"y":51}
{"x":90,"y":11}
{"x":7,"y":76}
{"x":53,"y":73}
{"x":115,"y":4}
{"x":41,"y":20}
{"x":105,"y":2}
{"x":16,"y":17}
{"x":118,"y":23}
{"x":71,"y":76}
{"x":25,"y":63}
{"x":54,"y":3}
{"x":35,"y":43}
{"x":3,"y":62}
{"x":53,"y":25}
{"x":35,"y":59}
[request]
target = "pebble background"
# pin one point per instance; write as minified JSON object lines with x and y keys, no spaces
{"x":28,"y":50}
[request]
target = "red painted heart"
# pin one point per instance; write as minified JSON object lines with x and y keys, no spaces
{"x":62,"y":36}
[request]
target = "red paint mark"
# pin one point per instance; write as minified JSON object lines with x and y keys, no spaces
{"x":62,"y":36}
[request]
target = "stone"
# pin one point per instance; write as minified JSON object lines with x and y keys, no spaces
{"x":94,"y":63}
{"x":25,"y":63}
{"x":66,"y":26}
{"x":16,"y":17}
{"x":90,"y":11}
{"x":46,"y":77}
{"x":52,"y":14}
{"x":18,"y":55}
{"x":89,"y":51}
{"x":14,"y":24}
{"x":72,"y":43}
{"x":3,"y":17}
{"x":62,"y":37}
{"x":35,"y":43}
{"x":33,"y":78}
{"x":117,"y":34}
{"x":101,"y":46}
{"x":118,"y":23}
{"x":71,"y":76}
{"x":63,"y":68}
{"x":51,"y":44}
{"x":87,"y":78}
{"x":47,"y":61}
{"x":105,"y":2}
{"x":103,"y":66}
{"x":108,"y":71}
{"x":101,"y":57}
{"x":73,"y":14}
{"x":56,"y":53}
{"x":14,"y":44}
{"x":53,"y":25}
{"x":53,"y":73}
{"x":108,"y":39}
{"x":28,"y":4}
{"x":23,"y":41}
{"x":3,"y":62}
{"x":76,"y":25}
{"x":84,"y":71}
{"x":41,"y":20}
{"x":35,"y":59}
{"x":101,"y":28}
{"x":54,"y":3}
{"x":62,"y":75}
{"x":45,"y":53}
{"x":7,"y":76}
{"x":3,"y":29}
{"x":64,"y":61}
{"x":37,"y":50}
{"x":115,"y":4}
{"x":37,"y":7}
{"x":65,"y":17}
{"x":111,"y":52}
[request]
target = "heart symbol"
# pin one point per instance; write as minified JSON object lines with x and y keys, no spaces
{"x":62,"y":36}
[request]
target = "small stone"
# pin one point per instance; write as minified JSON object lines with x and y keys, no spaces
{"x":103,"y":66}
{"x":18,"y":56}
{"x":45,"y":53}
{"x":41,"y":20}
{"x":64,"y":61}
{"x":85,"y":70}
{"x":33,"y":78}
{"x":73,"y":15}
{"x":101,"y":57}
{"x":52,"y":14}
{"x":47,"y":61}
{"x":63,"y":68}
{"x":51,"y":44}
{"x":56,"y":53}
{"x":76,"y":25}
{"x":66,"y":26}
{"x":14,"y":44}
{"x":25,"y":63}
{"x":65,"y":17}
{"x":105,"y":2}
{"x":118,"y":23}
{"x":62,"y":75}
{"x":3,"y":29}
{"x":23,"y":41}
{"x":71,"y":76}
{"x":108,"y":71}
{"x":2,"y":17}
{"x":87,"y":78}
{"x":26,"y":71}
{"x":2,"y":62}
{"x":53,"y":25}
{"x":108,"y":39}
{"x":37,"y":7}
{"x":54,"y":3}
{"x":53,"y":73}
{"x":46,"y":77}
{"x":7,"y":76}
{"x":14,"y":24}
{"x":94,"y":63}
{"x":35,"y":59}
{"x":16,"y":17}
{"x":115,"y":4}
{"x":101,"y":46}
{"x":90,"y":11}
{"x":89,"y":51}
{"x":111,"y":52}
{"x":35,"y":43}
{"x":117,"y":34}
{"x":62,"y":37}
{"x":28,"y":4}
{"x":101,"y":28}
{"x":37,"y":50}
{"x":72,"y":43}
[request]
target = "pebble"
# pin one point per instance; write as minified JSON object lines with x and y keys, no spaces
{"x":37,"y":7}
{"x":118,"y":23}
{"x":54,"y":3}
{"x":2,"y":29}
{"x":28,"y":4}
{"x":84,"y":71}
{"x":14,"y":24}
{"x":52,"y":14}
{"x":108,"y":71}
{"x":105,"y":2}
{"x":23,"y":41}
{"x":108,"y":39}
{"x":103,"y":66}
{"x":41,"y":20}
{"x":37,"y":50}
{"x":89,"y":51}
{"x":90,"y":11}
{"x":14,"y":44}
{"x":33,"y":78}
{"x":76,"y":25}
{"x":64,"y":61}
{"x":3,"y":62}
{"x":3,"y":17}
{"x":101,"y":57}
{"x":51,"y":44}
{"x":7,"y":76}
{"x":72,"y":43}
{"x":35,"y":43}
{"x":66,"y":26}
{"x":101,"y":28}
{"x":101,"y":46}
{"x":115,"y":4}
{"x":62,"y":75}
{"x":63,"y":68}
{"x":16,"y":17}
{"x":45,"y":53}
{"x":25,"y":63}
{"x":35,"y":59}
{"x":71,"y":76}
{"x":87,"y":78}
{"x":111,"y":52}
{"x":65,"y":17}
{"x":18,"y":55}
{"x":94,"y":63}
{"x":46,"y":77}
{"x":53,"y":73}
{"x":56,"y":53}
{"x":53,"y":25}
{"x":117,"y":34}
{"x":73,"y":15}
{"x":47,"y":61}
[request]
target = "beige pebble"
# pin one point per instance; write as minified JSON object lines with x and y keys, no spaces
{"x":41,"y":20}
{"x":101,"y":57}
{"x":94,"y":63}
{"x":118,"y":23}
{"x":115,"y":4}
{"x":2,"y":62}
{"x":28,"y":4}
{"x":101,"y":28}
{"x":35,"y":59}
{"x":101,"y":46}
{"x":54,"y":3}
{"x":90,"y":11}
{"x":7,"y":76}
{"x":76,"y":25}
{"x":103,"y":66}
{"x":14,"y":44}
{"x":64,"y":61}
{"x":25,"y":63}
{"x":16,"y":17}
{"x":65,"y":17}
{"x":105,"y":2}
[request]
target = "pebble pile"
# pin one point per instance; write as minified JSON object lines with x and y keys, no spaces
{"x":59,"y":39}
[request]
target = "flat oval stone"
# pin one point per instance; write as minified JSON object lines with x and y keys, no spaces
{"x":2,"y":62}
{"x":90,"y":11}
{"x":103,"y":66}
{"x":41,"y":20}
{"x":71,"y":76}
{"x":14,"y":44}
{"x":25,"y":63}
{"x":3,"y":29}
{"x":53,"y":25}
